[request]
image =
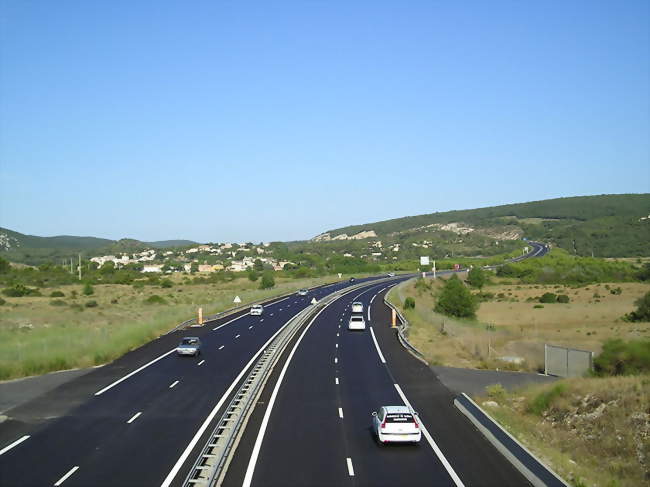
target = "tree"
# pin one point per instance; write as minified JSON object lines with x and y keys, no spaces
{"x":258,"y":265}
{"x":4,"y":266}
{"x":88,"y":289}
{"x":642,"y":312}
{"x":456,"y":300}
{"x":267,"y":281}
{"x":252,"y":275}
{"x":476,"y":278}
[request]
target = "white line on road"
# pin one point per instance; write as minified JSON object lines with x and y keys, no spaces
{"x":374,"y":339}
{"x":368,"y":313}
{"x":228,"y":322}
{"x":250,"y":327}
{"x":201,"y":362}
{"x":337,"y":333}
{"x":350,"y":468}
{"x":280,"y":309}
{"x":336,"y":380}
{"x":221,"y":347}
{"x":341,"y":413}
{"x":433,"y":444}
{"x":337,"y":345}
{"x":267,"y":414}
{"x":173,"y":384}
{"x":261,"y":320}
{"x":15,"y":443}
{"x":181,"y":460}
{"x":134,"y":372}
{"x":65,"y":477}
{"x":237,"y":336}
{"x":271,"y":314}
{"x":336,"y":360}
{"x":134,"y":417}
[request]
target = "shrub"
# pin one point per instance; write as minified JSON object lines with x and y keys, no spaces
{"x":253,"y":276}
{"x":642,"y":312}
{"x":267,"y":281}
{"x":484,"y":296}
{"x":616,"y":291}
{"x":2,"y":301}
{"x":17,"y":291}
{"x":495,"y":391}
{"x":57,"y":302}
{"x":57,"y":294}
{"x":88,"y":289}
{"x":155,"y":299}
{"x":477,"y":278}
{"x":563,"y":298}
{"x":409,"y":303}
{"x":166,"y":283}
{"x":548,"y":298}
{"x":623,"y":358}
{"x":138,"y":285}
{"x":456,"y":300}
{"x":542,"y":401}
{"x":91,"y":304}
{"x":538,"y":306}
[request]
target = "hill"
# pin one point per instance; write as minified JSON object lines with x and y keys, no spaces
{"x":605,"y":225}
{"x":34,"y":250}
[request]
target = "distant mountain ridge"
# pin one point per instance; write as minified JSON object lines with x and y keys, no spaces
{"x":20,"y":247}
{"x":613,"y":225}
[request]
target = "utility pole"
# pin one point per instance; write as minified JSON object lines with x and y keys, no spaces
{"x":80,"y":267}
{"x":71,"y":266}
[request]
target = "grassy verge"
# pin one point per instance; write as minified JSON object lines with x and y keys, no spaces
{"x":44,"y":334}
{"x":591,"y":431}
{"x":510,"y":325}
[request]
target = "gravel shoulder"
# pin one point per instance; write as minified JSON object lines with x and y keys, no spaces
{"x":473,"y":381}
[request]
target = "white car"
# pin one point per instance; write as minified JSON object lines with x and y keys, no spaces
{"x":357,"y":307}
{"x":391,"y":274}
{"x":396,"y":424}
{"x":356,"y":323}
{"x":257,"y":310}
{"x":303,"y":292}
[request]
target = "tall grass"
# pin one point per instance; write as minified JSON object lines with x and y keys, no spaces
{"x":36,"y":338}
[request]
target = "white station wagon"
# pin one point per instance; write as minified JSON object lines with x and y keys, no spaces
{"x":257,"y":310}
{"x":356,"y":323}
{"x":357,"y":307}
{"x":396,"y":424}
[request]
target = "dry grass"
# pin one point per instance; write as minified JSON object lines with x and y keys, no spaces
{"x":593,"y":431}
{"x":37,"y":337}
{"x":512,"y":327}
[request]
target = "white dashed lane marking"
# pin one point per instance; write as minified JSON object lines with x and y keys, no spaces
{"x":201,"y":362}
{"x":134,"y":417}
{"x":350,"y":468}
{"x":221,"y":347}
{"x":65,"y":477}
{"x":173,"y":384}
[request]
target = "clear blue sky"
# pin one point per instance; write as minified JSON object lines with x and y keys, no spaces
{"x":239,"y":121}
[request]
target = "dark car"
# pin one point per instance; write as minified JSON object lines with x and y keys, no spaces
{"x":352,"y":279}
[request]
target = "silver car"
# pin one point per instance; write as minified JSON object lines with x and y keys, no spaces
{"x":189,"y":346}
{"x":303,"y":292}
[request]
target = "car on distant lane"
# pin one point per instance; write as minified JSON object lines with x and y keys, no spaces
{"x":257,"y":310}
{"x":396,"y":424}
{"x":356,"y":323}
{"x":189,"y":346}
{"x":357,"y":307}
{"x":303,"y":292}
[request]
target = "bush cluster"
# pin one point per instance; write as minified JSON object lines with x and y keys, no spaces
{"x":456,"y":300}
{"x":409,"y":303}
{"x":623,"y":358}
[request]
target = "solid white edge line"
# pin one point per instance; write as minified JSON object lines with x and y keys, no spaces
{"x":341,"y":413}
{"x":134,"y":417}
{"x":110,"y":386}
{"x":250,"y":470}
{"x":15,"y":443}
{"x":454,"y":476}
{"x":65,"y":477}
{"x":348,"y":460}
{"x":374,"y":339}
{"x":368,"y":313}
{"x":174,"y":384}
{"x":181,"y":460}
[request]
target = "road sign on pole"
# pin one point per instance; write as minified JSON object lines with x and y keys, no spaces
{"x":237,"y":299}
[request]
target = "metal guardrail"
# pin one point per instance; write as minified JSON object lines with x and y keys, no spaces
{"x":402,"y":331}
{"x":210,"y":467}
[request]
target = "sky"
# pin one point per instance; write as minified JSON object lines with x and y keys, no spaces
{"x":259,"y":121}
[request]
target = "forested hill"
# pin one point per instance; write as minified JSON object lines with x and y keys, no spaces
{"x":614,"y":225}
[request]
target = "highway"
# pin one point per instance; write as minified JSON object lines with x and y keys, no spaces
{"x":317,"y":429}
{"x":131,"y":428}
{"x":143,"y":419}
